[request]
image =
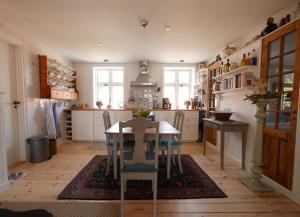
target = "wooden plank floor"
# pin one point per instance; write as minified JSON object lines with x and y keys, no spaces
{"x":44,"y":181}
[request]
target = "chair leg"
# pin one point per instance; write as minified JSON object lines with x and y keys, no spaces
{"x":179,"y":159}
{"x":122,"y":196}
{"x":173,"y":157}
{"x":109,"y":153}
{"x":154,"y":194}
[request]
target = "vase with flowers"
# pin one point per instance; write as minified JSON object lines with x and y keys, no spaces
{"x":261,"y":97}
{"x":99,"y":104}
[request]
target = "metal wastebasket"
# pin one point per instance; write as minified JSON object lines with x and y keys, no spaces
{"x":39,"y":148}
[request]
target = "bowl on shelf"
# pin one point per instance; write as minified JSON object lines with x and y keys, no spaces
{"x":222,"y":115}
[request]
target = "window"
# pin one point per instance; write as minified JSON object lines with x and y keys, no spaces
{"x":177,"y":85}
{"x":109,"y":86}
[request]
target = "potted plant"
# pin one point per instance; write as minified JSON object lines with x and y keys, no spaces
{"x":143,"y":113}
{"x":261,"y":97}
{"x":187,"y":103}
{"x":99,"y":104}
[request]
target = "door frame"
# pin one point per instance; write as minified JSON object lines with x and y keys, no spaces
{"x":19,"y":47}
{"x":293,"y":26}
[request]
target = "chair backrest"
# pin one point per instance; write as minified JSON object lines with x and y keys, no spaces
{"x":175,"y":119}
{"x":179,"y":123}
{"x":138,"y":126}
{"x":106,"y":119}
{"x":107,"y":125}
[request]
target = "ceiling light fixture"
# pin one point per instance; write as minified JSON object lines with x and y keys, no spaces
{"x":99,"y":44}
{"x":167,"y":28}
{"x":144,"y":24}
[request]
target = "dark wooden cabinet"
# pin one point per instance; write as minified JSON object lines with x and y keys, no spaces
{"x":56,"y":77}
{"x":281,"y":68}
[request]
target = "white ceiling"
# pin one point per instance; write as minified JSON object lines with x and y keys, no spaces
{"x":199,"y":28}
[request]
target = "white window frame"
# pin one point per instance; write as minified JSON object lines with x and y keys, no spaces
{"x":110,"y":83}
{"x":177,"y":84}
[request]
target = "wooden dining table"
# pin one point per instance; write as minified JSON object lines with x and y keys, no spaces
{"x":166,"y":133}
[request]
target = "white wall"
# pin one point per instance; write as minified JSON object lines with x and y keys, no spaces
{"x":245,"y":112}
{"x":84,"y":81}
{"x":30,"y":69}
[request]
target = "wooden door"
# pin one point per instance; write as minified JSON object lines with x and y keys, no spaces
{"x":281,"y":49}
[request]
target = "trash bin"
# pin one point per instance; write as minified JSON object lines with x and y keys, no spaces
{"x":52,"y":147}
{"x":39,"y":148}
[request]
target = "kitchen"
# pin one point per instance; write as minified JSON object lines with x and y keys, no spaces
{"x":221,"y":93}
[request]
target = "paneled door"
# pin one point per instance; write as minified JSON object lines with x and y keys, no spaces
{"x":281,"y":49}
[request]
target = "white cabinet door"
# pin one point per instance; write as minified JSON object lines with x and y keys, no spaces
{"x":99,"y":126}
{"x":190,"y":133}
{"x":82,"y":125}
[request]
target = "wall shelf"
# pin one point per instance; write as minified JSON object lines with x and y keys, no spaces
{"x":234,"y":91}
{"x":236,"y":71}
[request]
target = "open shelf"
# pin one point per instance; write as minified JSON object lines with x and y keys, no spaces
{"x":239,"y":70}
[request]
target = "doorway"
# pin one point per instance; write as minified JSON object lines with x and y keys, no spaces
{"x":8,"y":85}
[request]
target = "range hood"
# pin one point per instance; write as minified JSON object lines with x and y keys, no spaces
{"x":143,"y":79}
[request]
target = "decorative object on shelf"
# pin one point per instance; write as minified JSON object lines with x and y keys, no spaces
{"x":243,"y":61}
{"x":229,"y":50}
{"x":187,"y":103}
{"x":217,"y":86}
{"x":227,"y":66}
{"x":271,"y":26}
{"x":166,"y":103}
{"x":218,"y":58}
{"x":253,"y":58}
{"x":99,"y":104}
{"x":285,"y":20}
{"x":261,"y":98}
{"x":260,"y":92}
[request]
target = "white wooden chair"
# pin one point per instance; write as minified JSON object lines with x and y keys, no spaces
{"x":109,"y":141}
{"x":139,"y":164}
{"x":176,"y":142}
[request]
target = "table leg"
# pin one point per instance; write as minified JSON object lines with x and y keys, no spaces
{"x":169,"y":158}
{"x":244,"y":139}
{"x":204,"y":140}
{"x":222,"y":149}
{"x":115,"y":154}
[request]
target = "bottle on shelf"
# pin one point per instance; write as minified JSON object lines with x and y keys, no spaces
{"x":227,"y":66}
{"x":243,"y":61}
{"x":248,"y":59}
{"x":222,"y":69}
{"x":253,"y":58}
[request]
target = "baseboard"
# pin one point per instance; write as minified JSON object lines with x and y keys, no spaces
{"x":4,"y":185}
{"x":282,"y":190}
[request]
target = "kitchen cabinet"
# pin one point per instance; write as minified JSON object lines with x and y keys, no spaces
{"x":88,"y":125}
{"x":190,"y":126}
{"x":82,"y":125}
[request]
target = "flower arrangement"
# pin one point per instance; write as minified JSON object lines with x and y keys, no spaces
{"x":99,"y":104}
{"x":143,"y":113}
{"x":260,"y":92}
{"x":187,"y":103}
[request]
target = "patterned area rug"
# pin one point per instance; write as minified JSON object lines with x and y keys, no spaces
{"x":67,"y":209}
{"x":92,"y":184}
